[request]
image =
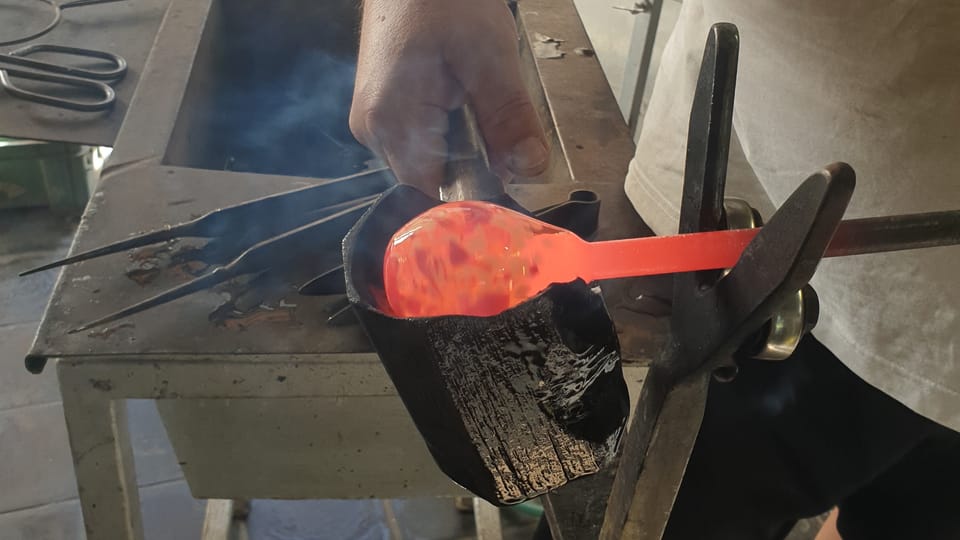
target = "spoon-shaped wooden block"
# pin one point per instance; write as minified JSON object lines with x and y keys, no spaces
{"x":476,"y":258}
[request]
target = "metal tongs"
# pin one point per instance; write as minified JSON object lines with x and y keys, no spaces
{"x":288,"y":223}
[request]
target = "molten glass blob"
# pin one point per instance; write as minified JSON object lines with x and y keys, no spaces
{"x":477,"y":258}
{"x":474,"y":258}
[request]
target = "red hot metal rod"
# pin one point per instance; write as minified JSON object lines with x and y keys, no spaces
{"x":721,"y":249}
{"x":475,"y":258}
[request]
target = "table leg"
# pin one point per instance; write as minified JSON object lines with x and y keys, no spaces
{"x":102,"y":458}
{"x":217,"y":520}
{"x":487,"y":518}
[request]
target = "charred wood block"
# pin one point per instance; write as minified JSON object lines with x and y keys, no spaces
{"x":510,"y":406}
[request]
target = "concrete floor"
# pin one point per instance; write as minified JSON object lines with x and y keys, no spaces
{"x":37,"y":488}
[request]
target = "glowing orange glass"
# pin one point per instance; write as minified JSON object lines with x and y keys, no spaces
{"x":477,"y":258}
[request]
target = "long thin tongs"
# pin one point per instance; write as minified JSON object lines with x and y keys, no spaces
{"x":273,"y":215}
{"x":258,"y":259}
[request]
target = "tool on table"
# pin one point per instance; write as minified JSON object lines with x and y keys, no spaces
{"x":259,"y":258}
{"x":477,"y":258}
{"x":17,"y":64}
{"x":266,"y":232}
{"x":57,"y":10}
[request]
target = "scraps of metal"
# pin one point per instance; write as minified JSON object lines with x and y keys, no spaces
{"x":546,"y":47}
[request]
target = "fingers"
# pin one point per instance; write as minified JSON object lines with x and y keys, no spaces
{"x":505,"y":113}
{"x":418,"y":60}
{"x":510,"y":127}
{"x":402,"y":94}
{"x":411,"y":138}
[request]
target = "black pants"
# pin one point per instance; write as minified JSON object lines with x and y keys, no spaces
{"x":793,"y":439}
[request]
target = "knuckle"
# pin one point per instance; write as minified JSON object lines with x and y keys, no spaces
{"x":375,"y":118}
{"x":512,"y":120}
{"x":356,"y":125}
{"x":367,"y":121}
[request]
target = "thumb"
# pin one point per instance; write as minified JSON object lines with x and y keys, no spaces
{"x":505,"y":113}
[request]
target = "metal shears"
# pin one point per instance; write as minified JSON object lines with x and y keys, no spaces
{"x":92,"y":82}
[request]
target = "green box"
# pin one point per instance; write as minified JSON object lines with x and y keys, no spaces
{"x":57,"y":175}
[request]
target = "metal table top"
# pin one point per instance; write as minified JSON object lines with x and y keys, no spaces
{"x":154,"y":196}
{"x":140,"y":192}
{"x":124,"y":28}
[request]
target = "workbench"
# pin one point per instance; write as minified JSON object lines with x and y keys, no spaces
{"x":281,"y":405}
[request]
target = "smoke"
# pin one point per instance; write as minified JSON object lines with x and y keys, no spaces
{"x":271,"y":92}
{"x":294,"y":122}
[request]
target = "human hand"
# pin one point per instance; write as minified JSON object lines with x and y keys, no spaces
{"x":420,"y":59}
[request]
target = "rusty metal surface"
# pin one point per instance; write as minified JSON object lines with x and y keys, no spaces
{"x":124,"y":28}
